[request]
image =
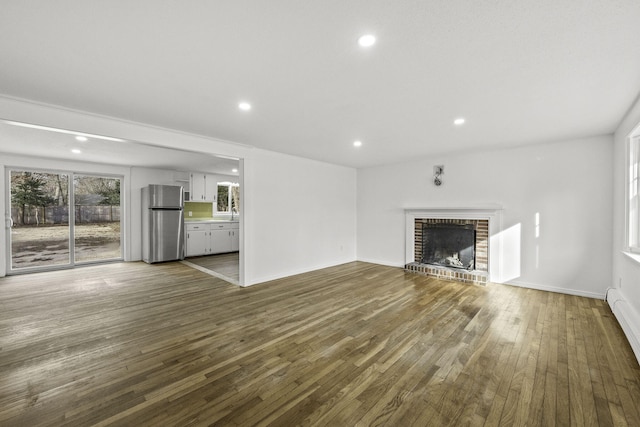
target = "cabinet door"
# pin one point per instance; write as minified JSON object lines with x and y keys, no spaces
{"x":197,"y":187}
{"x":235,"y":240}
{"x":211,"y":188}
{"x":198,"y":242}
{"x":220,"y":240}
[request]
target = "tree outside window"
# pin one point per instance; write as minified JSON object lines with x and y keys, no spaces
{"x":29,"y":190}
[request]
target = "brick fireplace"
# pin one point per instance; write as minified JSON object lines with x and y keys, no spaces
{"x":427,"y":231}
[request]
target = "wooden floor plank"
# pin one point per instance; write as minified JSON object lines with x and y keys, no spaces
{"x":356,"y":344}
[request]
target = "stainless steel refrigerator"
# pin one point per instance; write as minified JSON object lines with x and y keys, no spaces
{"x":162,"y":223}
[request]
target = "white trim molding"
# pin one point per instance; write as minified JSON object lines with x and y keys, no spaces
{"x":490,"y":212}
{"x":632,"y":256}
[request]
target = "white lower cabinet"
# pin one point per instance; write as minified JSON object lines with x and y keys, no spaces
{"x":212,"y":238}
{"x":220,"y":241}
{"x":198,"y":240}
{"x":235,"y":239}
{"x":224,"y":237}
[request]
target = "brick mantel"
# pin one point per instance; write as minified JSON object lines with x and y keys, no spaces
{"x":491,"y":213}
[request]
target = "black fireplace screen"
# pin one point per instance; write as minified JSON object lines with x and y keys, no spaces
{"x":449,"y":245}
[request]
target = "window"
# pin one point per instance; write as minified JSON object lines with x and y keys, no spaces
{"x":633,"y":195}
{"x":228,"y":198}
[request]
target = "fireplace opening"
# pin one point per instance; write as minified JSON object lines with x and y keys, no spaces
{"x":449,"y":245}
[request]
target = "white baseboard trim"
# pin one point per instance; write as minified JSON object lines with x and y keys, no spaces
{"x":379,"y":262}
{"x":296,"y":271}
{"x":555,"y":289}
{"x":628,"y":318}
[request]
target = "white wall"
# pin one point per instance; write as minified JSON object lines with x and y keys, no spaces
{"x":297,"y":214}
{"x":566,"y":183}
{"x":625,"y":296}
{"x":302,"y":215}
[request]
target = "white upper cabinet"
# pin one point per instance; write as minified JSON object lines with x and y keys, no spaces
{"x":204,"y":188}
{"x":210,"y":188}
{"x":197,"y":187}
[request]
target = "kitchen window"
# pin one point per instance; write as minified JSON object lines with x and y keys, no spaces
{"x":228,"y":198}
{"x":633,"y":195}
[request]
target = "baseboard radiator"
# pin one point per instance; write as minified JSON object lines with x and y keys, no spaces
{"x":628,"y":318}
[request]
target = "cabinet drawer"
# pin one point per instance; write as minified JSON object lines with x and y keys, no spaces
{"x":223,"y":226}
{"x":197,"y":227}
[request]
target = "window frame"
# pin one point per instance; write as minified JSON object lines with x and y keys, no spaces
{"x":632,"y":194}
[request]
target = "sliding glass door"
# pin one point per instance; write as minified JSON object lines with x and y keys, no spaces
{"x":39,"y":219}
{"x":60,"y":219}
{"x":96,"y":218}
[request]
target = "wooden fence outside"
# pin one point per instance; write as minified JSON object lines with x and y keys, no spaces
{"x":52,"y":215}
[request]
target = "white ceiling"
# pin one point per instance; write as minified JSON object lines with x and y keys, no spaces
{"x":519,"y":71}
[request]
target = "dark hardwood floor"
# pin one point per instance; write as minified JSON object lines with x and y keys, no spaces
{"x":133,"y":344}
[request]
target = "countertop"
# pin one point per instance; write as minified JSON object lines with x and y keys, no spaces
{"x":207,"y":221}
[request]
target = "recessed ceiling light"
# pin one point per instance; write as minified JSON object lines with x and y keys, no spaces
{"x":459,"y":121}
{"x":81,"y":138}
{"x":234,"y":170}
{"x":244,"y":106}
{"x":76,"y":151}
{"x":367,"y":40}
{"x":357,"y":143}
